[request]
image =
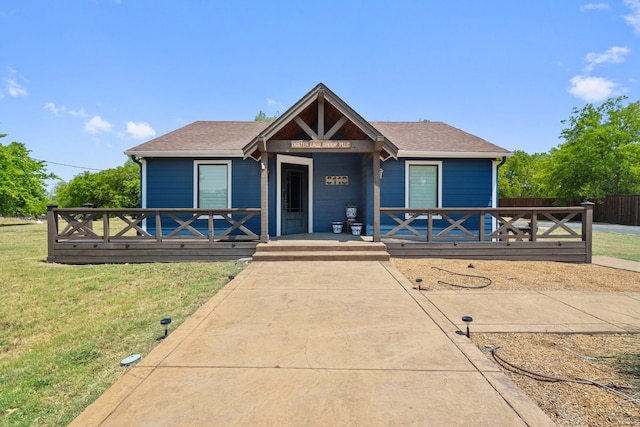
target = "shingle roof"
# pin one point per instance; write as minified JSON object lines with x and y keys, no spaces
{"x":433,"y":136}
{"x":207,"y":137}
{"x":203,"y":136}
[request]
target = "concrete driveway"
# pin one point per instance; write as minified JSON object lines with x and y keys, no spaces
{"x":315,"y":344}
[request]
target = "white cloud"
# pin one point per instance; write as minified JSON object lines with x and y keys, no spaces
{"x":594,"y":6}
{"x":97,"y":124}
{"x":633,"y":18}
{"x":592,"y":89}
{"x":59,"y":110}
{"x":274,"y":103}
{"x":14,"y":88}
{"x":140,"y":130}
{"x":55,"y":109}
{"x":79,"y":113}
{"x":613,"y":55}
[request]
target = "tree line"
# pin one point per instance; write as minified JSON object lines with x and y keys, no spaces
{"x":600,"y":156}
{"x":23,"y":185}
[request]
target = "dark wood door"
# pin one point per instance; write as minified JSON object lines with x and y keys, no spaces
{"x":295,"y":199}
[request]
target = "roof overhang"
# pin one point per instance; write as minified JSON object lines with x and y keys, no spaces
{"x":455,"y":154}
{"x":185,"y":153}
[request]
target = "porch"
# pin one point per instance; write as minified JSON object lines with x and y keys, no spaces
{"x":97,"y":236}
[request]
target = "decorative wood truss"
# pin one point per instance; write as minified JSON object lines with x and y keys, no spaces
{"x":320,"y":117}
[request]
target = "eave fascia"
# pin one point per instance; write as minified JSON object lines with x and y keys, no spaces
{"x":185,"y":153}
{"x":455,"y":154}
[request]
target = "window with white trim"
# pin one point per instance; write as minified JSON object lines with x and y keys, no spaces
{"x":212,"y":184}
{"x":423,"y":184}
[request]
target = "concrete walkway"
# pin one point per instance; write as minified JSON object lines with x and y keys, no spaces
{"x":621,"y":264}
{"x":344,"y":343}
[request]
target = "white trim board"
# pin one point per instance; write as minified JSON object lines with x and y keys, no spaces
{"x":293,"y":160}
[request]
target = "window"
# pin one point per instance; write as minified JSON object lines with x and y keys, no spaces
{"x":423,"y":185}
{"x":212,"y":184}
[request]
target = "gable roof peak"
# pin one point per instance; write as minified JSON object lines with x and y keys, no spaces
{"x":324,"y":99}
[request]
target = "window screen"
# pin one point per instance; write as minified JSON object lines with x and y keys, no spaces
{"x":423,"y":186}
{"x":213,"y":186}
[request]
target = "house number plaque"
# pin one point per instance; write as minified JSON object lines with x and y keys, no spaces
{"x":336,"y":180}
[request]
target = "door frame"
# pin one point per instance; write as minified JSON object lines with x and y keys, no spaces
{"x":304,"y":161}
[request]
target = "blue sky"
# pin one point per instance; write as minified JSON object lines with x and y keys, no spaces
{"x":83,"y":80}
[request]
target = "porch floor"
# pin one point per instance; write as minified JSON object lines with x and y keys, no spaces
{"x":329,"y":237}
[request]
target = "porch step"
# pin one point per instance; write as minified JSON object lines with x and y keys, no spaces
{"x":320,"y":251}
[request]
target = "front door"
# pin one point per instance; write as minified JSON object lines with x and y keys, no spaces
{"x":295,"y":198}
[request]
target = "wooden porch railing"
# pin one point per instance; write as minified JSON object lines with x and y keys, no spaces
{"x":169,"y":235}
{"x":152,"y":227}
{"x":491,"y":225}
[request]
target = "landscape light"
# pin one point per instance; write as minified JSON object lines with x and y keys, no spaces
{"x":165,"y":322}
{"x":467,"y":320}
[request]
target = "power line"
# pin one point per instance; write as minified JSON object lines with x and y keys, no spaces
{"x":69,"y":166}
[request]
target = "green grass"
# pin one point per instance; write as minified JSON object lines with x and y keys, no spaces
{"x":64,"y":329}
{"x":623,"y":246}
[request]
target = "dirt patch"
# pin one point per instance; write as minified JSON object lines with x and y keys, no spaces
{"x":596,"y":357}
{"x":586,"y":357}
{"x":517,"y":275}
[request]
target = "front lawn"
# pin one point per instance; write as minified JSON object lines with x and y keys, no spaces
{"x":64,"y":329}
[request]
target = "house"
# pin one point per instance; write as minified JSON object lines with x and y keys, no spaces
{"x":304,"y":169}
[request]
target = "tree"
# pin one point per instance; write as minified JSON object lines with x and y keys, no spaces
{"x":520,"y":176}
{"x":22,"y":181}
{"x":262,"y":117}
{"x":601,"y":153}
{"x":111,"y":188}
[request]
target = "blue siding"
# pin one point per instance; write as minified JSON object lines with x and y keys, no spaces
{"x":465,"y":183}
{"x":245,"y":190}
{"x":392,"y":184}
{"x":245,"y":182}
{"x":330,"y":201}
{"x":170,"y":185}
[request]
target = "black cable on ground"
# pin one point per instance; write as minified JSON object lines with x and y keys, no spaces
{"x":542,"y":377}
{"x":489,"y":281}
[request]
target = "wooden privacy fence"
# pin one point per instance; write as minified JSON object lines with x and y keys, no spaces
{"x":499,"y":233}
{"x":623,"y":210}
{"x":88,"y":235}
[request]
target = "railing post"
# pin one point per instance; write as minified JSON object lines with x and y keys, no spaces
{"x":534,"y":226}
{"x":481,"y":215}
{"x":210,"y":226}
{"x":89,"y":224}
{"x":158,"y":226}
{"x":106,"y":230}
{"x":587,"y":230}
{"x":52,"y":232}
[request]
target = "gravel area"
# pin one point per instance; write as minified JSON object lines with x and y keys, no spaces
{"x":601,"y":358}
